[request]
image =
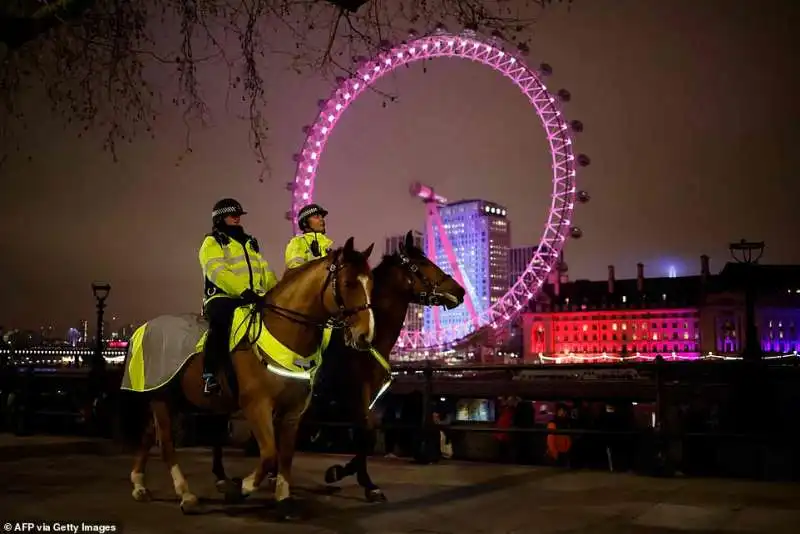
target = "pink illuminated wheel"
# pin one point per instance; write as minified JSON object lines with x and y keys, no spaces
{"x":489,"y":52}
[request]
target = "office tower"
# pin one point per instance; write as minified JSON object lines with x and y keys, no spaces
{"x":480,"y":235}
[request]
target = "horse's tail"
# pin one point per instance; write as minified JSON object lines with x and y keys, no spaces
{"x":133,"y":415}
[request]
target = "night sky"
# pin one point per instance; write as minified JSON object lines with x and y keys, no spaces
{"x":690,"y":114}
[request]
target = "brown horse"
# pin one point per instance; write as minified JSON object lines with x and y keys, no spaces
{"x":357,"y":377}
{"x":335,"y":288}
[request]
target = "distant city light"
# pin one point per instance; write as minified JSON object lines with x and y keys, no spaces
{"x":673,"y":272}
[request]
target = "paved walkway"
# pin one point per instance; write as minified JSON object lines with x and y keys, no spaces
{"x":447,"y":498}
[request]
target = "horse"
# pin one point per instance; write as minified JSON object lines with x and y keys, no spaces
{"x":403,"y":277}
{"x":270,"y":389}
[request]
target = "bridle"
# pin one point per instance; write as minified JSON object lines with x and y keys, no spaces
{"x":341,"y":319}
{"x":431,"y":296}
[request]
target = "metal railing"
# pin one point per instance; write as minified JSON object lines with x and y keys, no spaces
{"x":33,"y":400}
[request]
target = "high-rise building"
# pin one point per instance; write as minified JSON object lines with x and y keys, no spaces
{"x":480,"y":235}
{"x":520,"y":257}
{"x":518,"y":260}
{"x":393,"y":242}
{"x":414,"y":314}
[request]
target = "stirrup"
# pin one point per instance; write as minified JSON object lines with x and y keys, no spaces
{"x":210,"y":384}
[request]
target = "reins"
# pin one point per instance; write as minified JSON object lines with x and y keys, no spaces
{"x":336,"y":321}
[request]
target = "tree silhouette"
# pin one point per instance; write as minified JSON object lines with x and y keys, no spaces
{"x":92,"y":58}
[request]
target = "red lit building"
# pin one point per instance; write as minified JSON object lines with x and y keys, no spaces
{"x":677,"y":318}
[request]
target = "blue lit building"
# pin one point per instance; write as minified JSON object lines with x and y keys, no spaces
{"x":480,"y":234}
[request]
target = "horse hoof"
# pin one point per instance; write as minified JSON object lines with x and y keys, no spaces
{"x":287,"y":509}
{"x":190,"y":505}
{"x":233,"y":491}
{"x":334,"y":473}
{"x":375,"y":495}
{"x":141,"y":495}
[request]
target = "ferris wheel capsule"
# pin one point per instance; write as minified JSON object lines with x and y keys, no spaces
{"x":575,"y":232}
{"x":583,"y":160}
{"x":583,"y":197}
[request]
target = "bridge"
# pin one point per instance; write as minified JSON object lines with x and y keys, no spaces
{"x":70,"y":479}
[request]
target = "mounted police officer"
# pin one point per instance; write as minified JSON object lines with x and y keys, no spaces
{"x":235,"y":275}
{"x":312,"y":243}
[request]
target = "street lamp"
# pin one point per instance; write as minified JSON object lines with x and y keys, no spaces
{"x":101,"y":291}
{"x":748,"y":253}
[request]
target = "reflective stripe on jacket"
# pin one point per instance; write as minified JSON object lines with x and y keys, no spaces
{"x":298,"y":251}
{"x":234,"y":268}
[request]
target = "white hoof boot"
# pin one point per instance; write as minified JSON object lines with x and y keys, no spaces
{"x":189,"y":503}
{"x":141,"y":494}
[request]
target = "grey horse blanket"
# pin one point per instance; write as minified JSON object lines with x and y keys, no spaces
{"x":160,"y":348}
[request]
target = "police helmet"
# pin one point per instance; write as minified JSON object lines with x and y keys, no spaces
{"x":306,"y":212}
{"x":224,"y":208}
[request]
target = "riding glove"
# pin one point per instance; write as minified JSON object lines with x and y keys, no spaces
{"x":250,"y":297}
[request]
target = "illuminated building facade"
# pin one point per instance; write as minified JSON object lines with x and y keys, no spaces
{"x":414,"y":314}
{"x":675,"y":317}
{"x":479,"y":232}
{"x":777,"y":309}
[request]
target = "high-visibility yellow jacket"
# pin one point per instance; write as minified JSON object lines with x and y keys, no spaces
{"x":298,"y":251}
{"x":230,"y":268}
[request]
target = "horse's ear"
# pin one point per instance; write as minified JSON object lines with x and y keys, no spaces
{"x":409,"y":240}
{"x":348,"y":245}
{"x":368,"y":251}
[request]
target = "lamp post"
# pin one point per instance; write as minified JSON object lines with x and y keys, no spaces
{"x":748,"y":253}
{"x":101,"y":291}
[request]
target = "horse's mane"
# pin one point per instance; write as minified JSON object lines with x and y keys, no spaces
{"x":352,"y":257}
{"x":389,"y":261}
{"x":291,"y":274}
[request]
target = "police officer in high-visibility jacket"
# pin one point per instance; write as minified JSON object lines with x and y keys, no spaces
{"x":235,"y":275}
{"x":312,"y":243}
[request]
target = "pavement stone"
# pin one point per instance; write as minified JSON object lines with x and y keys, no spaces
{"x":448,"y":498}
{"x":18,"y":447}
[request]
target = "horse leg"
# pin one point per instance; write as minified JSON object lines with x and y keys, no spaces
{"x":230,"y":487}
{"x":259,"y":414}
{"x":286,"y":443}
{"x":163,"y":419}
{"x":365,"y":446}
{"x":140,"y":491}
{"x":364,"y":441}
{"x":338,"y":472}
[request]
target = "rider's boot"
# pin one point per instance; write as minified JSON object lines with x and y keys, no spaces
{"x":210,"y":386}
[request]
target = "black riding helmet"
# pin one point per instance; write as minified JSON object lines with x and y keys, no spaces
{"x":306,"y":212}
{"x":224,"y":208}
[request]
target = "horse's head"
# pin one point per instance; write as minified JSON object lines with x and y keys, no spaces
{"x":428,"y":284}
{"x":347,"y":296}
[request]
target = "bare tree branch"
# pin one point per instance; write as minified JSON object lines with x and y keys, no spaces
{"x":95,"y":58}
